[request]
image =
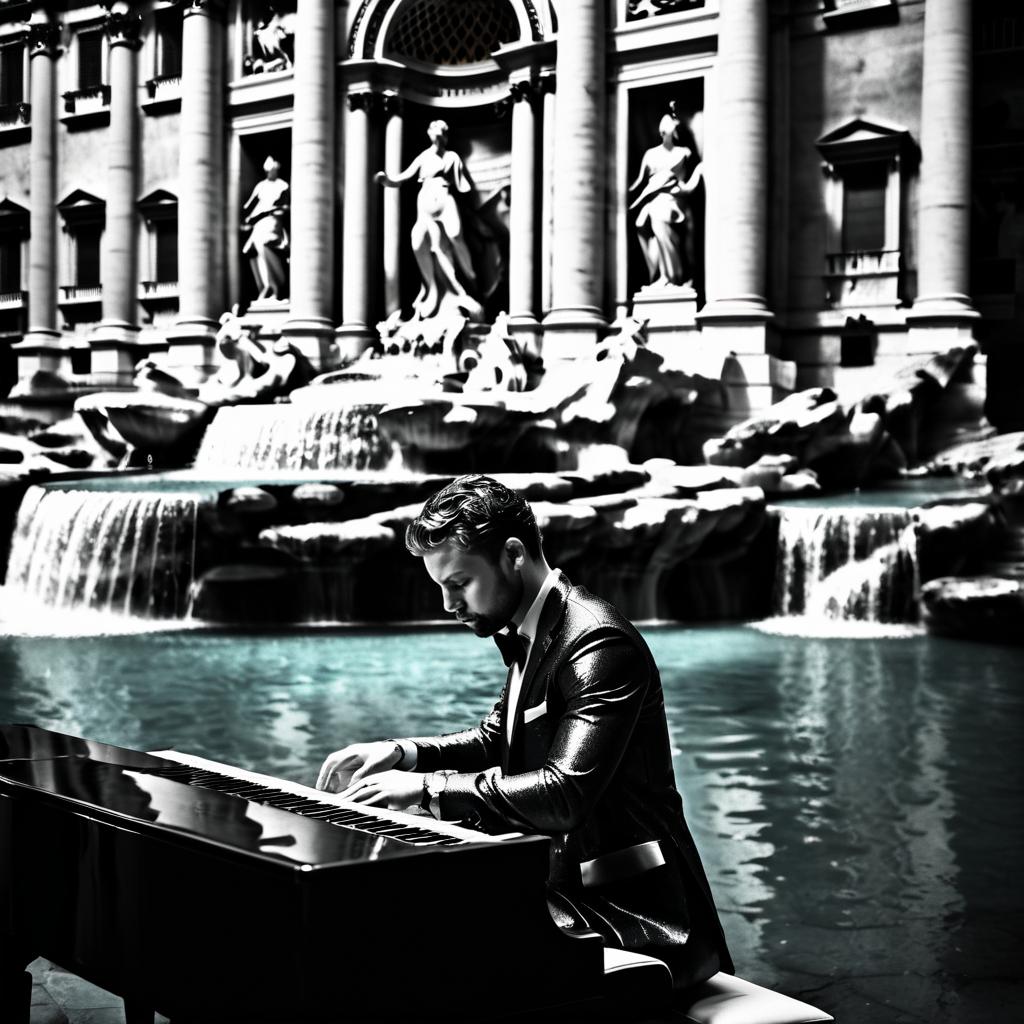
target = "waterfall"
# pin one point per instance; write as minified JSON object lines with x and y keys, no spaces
{"x":294,"y":437}
{"x":118,"y":552}
{"x":847,"y":564}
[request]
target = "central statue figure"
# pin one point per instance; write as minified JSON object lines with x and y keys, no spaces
{"x":437,"y":237}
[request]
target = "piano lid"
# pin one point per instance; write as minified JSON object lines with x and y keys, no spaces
{"x":200,"y":813}
{"x":28,"y":742}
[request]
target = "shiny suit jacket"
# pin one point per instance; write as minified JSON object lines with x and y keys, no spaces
{"x":589,"y":764}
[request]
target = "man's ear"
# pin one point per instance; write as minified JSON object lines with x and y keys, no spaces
{"x":516,"y":552}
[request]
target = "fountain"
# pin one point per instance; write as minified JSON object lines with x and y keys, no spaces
{"x":298,"y":491}
{"x":120,"y":553}
{"x":847,"y":564}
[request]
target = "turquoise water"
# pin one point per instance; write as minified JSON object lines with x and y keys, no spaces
{"x":858,"y":802}
{"x":909,"y":492}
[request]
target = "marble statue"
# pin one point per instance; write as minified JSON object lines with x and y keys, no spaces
{"x":664,"y":221}
{"x":250,"y":371}
{"x":265,"y":213}
{"x":438,"y":242}
{"x":273,"y":36}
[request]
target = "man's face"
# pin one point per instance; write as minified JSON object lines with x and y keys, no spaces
{"x":482,"y":592}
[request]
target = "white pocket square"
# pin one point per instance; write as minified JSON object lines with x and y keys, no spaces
{"x":529,"y":714}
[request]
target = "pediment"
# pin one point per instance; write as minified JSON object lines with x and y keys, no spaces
{"x":14,"y":218}
{"x":81,"y":208}
{"x":10,"y":209}
{"x":861,"y":139}
{"x":79,"y":199}
{"x":159,"y":197}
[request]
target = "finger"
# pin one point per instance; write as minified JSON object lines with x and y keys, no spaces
{"x":326,"y":771}
{"x":367,"y":796}
{"x":367,"y":768}
{"x":354,"y":789}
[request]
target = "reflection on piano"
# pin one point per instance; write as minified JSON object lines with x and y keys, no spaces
{"x":210,"y":893}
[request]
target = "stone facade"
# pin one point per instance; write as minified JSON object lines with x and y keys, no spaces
{"x":857,"y":206}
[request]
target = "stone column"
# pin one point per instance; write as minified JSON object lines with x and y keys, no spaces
{"x":354,"y":335}
{"x":547,"y":90}
{"x":42,"y":347}
{"x":737,"y":166}
{"x":942,"y":314}
{"x":114,"y":342}
{"x":201,"y":191}
{"x":522,"y":297}
{"x":575,"y":320}
{"x":735,"y":338}
{"x":311,"y":269}
{"x":392,"y":203}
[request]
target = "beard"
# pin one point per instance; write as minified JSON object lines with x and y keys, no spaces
{"x":488,"y":623}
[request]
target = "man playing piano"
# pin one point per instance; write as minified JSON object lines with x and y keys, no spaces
{"x":576,"y":748}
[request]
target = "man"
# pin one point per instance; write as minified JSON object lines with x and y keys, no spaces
{"x":576,"y":747}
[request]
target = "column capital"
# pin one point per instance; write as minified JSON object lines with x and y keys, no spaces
{"x":123,"y":25}
{"x":211,"y":8}
{"x":393,"y":104}
{"x":366,"y":100}
{"x":523,"y":91}
{"x":43,"y":39}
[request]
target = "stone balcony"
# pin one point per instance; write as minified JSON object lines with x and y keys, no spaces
{"x":87,"y":108}
{"x":164,"y":94}
{"x":869,"y":278}
{"x":158,"y":294}
{"x":15,"y":119}
{"x":80,"y":303}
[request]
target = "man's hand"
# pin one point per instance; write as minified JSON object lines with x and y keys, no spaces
{"x":354,"y":762}
{"x":395,"y":789}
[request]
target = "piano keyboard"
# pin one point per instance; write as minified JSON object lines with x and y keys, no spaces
{"x":414,"y":829}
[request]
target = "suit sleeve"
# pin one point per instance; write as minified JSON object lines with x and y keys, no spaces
{"x":471,"y":750}
{"x":603,"y":686}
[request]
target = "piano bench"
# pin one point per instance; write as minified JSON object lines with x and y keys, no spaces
{"x":634,"y":982}
{"x":723,"y":999}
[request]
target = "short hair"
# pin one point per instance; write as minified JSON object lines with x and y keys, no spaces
{"x":474,"y":512}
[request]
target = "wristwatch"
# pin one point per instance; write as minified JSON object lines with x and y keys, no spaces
{"x":434,"y":784}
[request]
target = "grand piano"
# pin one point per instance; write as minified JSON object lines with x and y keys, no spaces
{"x":209,"y":893}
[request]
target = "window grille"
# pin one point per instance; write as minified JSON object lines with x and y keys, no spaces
{"x":453,"y":32}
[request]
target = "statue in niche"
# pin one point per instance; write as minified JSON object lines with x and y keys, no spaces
{"x":266,"y":212}
{"x":664,"y":221}
{"x":438,"y":242}
{"x":273,"y":37}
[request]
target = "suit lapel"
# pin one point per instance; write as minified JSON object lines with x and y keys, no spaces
{"x":547,"y":628}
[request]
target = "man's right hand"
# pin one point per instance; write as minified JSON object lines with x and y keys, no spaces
{"x":356,"y":761}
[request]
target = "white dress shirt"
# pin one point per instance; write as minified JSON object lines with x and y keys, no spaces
{"x":528,"y":631}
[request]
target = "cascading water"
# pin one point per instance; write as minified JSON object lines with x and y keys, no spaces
{"x":117,"y":552}
{"x":295,"y":437}
{"x":847,"y":564}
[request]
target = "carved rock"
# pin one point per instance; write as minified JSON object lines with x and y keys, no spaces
{"x":984,"y":608}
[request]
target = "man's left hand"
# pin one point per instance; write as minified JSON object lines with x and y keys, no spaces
{"x":393,"y":788}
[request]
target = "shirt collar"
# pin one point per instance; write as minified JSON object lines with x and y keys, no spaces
{"x":531,"y":619}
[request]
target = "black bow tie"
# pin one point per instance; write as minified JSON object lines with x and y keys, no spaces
{"x":512,"y":646}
